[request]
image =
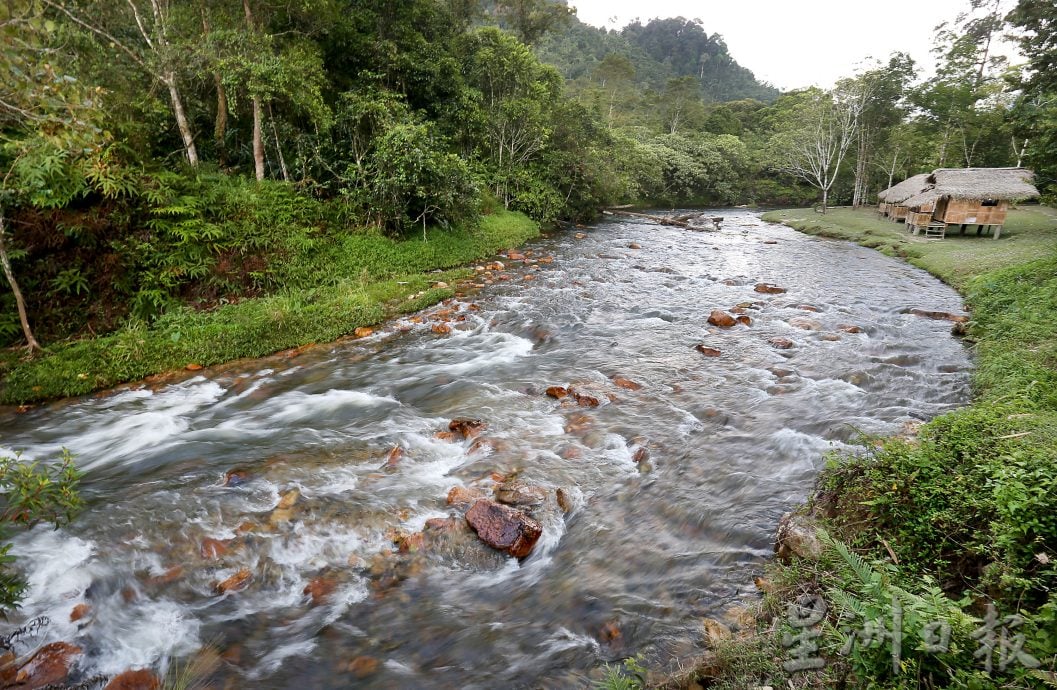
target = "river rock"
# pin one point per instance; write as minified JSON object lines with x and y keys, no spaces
{"x":517,"y":493}
{"x":503,"y":528}
{"x":805,"y":323}
{"x":707,"y":351}
{"x":236,"y":477}
{"x":584,"y":400}
{"x":393,"y":458}
{"x":634,"y":245}
{"x":808,"y":307}
{"x":797,"y":536}
{"x":363,"y":666}
{"x":744,"y":320}
{"x":319,"y":589}
{"x":463,"y":495}
{"x":939,"y":315}
{"x":48,"y":665}
{"x":236,"y":583}
{"x":212,"y":549}
{"x":558,"y":392}
{"x":849,"y":328}
{"x":831,"y":337}
{"x":467,"y":428}
{"x":626,"y":384}
{"x":362,"y":332}
{"x":721,"y":319}
{"x":781,"y":343}
{"x":769,"y":289}
{"x":79,"y":612}
{"x":580,"y":235}
{"x":565,"y":501}
{"x":140,"y":679}
{"x":441,"y":329}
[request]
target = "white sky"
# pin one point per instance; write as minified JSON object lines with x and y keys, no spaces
{"x":795,"y":43}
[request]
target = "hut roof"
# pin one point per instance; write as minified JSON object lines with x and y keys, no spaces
{"x":930,"y":195}
{"x":896,"y":194}
{"x":984,"y":183}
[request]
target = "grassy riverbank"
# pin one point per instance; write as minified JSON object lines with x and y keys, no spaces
{"x":360,"y":279}
{"x":935,"y":528}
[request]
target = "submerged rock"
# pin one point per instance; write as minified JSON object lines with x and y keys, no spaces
{"x":849,"y":328}
{"x":463,"y":495}
{"x":517,"y":493}
{"x":503,"y":528}
{"x":558,"y":392}
{"x":140,"y":679}
{"x":467,"y":428}
{"x":939,"y":315}
{"x":769,"y":289}
{"x":48,"y":665}
{"x":236,"y":583}
{"x":805,"y":323}
{"x":707,"y":351}
{"x":781,"y":343}
{"x":626,"y":384}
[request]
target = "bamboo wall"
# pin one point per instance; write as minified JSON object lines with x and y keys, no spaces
{"x":919,"y":218}
{"x":897,"y":212}
{"x":972,"y":212}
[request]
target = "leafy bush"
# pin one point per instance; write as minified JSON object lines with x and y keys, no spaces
{"x":32,"y":492}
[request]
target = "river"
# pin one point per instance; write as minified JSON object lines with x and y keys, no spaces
{"x":643,"y":548}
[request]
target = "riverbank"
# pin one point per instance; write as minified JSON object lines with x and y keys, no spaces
{"x":937,"y":528}
{"x":373,"y":278}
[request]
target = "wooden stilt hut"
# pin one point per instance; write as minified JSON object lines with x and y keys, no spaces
{"x":892,"y":198}
{"x":977,"y":196}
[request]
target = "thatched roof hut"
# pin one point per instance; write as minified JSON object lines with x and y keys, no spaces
{"x":996,"y":184}
{"x":969,"y":196}
{"x":896,"y":194}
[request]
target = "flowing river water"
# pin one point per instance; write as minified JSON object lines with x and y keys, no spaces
{"x":638,"y":554}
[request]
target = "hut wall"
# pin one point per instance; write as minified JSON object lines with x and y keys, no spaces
{"x":882,"y":208}
{"x":897,"y":212}
{"x":973,"y":212}
{"x":919,"y":218}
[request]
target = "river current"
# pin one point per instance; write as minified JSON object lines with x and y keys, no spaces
{"x":670,"y":491}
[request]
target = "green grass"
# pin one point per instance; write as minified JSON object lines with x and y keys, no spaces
{"x":962,"y":515}
{"x":330,"y":290}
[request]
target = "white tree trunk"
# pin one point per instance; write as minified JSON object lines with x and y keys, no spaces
{"x":20,"y":302}
{"x":181,"y":120}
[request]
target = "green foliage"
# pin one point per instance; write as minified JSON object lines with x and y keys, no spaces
{"x":33,"y":492}
{"x":629,"y":675}
{"x":331,"y":288}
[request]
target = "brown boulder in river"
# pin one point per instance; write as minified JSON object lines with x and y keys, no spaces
{"x":48,"y":665}
{"x":467,"y":428}
{"x":141,"y":679}
{"x":769,"y":289}
{"x":721,"y":319}
{"x":503,"y":528}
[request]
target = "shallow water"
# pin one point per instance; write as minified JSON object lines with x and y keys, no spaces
{"x":647,"y":550}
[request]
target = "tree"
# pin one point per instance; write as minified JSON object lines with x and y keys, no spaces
{"x":880,"y":91}
{"x":49,"y":132}
{"x":154,"y":52}
{"x":815,"y":141}
{"x":1035,"y":112}
{"x":530,"y":19}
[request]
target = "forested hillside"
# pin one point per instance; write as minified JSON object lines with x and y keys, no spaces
{"x":161,"y":155}
{"x":655,"y":52}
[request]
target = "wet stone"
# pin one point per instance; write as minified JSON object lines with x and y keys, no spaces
{"x":140,"y":679}
{"x":504,"y":528}
{"x":721,"y":319}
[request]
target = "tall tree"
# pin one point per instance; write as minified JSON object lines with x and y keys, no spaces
{"x":153,"y":52}
{"x":815,"y":139}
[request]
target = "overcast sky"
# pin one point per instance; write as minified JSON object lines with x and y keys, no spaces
{"x":794,"y":43}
